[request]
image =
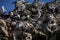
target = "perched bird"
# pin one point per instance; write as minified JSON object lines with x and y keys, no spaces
{"x":3,"y":9}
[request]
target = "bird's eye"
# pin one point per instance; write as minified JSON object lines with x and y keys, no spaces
{"x":52,"y":22}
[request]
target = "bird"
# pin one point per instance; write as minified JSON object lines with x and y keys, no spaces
{"x":3,"y":9}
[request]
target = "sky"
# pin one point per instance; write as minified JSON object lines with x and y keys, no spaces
{"x":9,"y":6}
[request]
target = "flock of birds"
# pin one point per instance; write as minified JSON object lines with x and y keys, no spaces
{"x":30,"y":22}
